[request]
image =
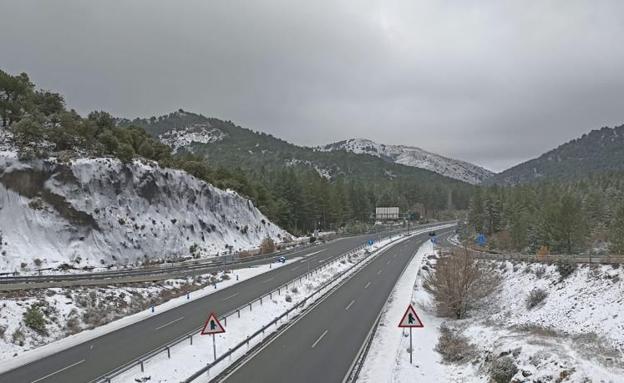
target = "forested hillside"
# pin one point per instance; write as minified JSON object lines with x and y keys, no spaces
{"x":599,"y":151}
{"x":295,"y":187}
{"x":299,"y":187}
{"x":582,"y":216}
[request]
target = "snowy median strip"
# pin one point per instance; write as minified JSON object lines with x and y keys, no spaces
{"x":261,"y":318}
{"x":87,"y":335}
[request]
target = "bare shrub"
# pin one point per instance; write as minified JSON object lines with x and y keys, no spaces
{"x":535,"y":297}
{"x":72,"y":326}
{"x":2,"y":331}
{"x":540,"y":271}
{"x":453,"y":346}
{"x":245,"y":254}
{"x":566,"y":268}
{"x":459,"y":283}
{"x":288,"y":298}
{"x":503,"y":370}
{"x":267,"y":246}
{"x":294,"y":290}
{"x":18,"y":337}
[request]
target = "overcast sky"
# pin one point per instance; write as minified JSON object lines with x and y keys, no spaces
{"x":491,"y":82}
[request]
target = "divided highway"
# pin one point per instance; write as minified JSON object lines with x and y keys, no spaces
{"x":93,"y":359}
{"x":322,"y":345}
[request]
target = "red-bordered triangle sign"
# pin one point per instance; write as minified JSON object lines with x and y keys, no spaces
{"x":212,"y":326}
{"x":411,"y":319}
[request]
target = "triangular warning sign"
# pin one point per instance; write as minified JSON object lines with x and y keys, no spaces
{"x":411,"y":319}
{"x":212,"y":326}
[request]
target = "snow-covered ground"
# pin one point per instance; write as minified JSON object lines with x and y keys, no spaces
{"x":574,"y":335}
{"x":415,"y":157}
{"x":388,"y":357}
{"x":75,"y":315}
{"x":201,"y":133}
{"x":186,"y":359}
{"x":100,"y":212}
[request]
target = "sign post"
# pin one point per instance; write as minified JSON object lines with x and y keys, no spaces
{"x":213,"y":327}
{"x":411,"y":320}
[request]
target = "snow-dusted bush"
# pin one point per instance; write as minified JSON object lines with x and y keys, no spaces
{"x":566,"y":268}
{"x":503,"y":370}
{"x":453,"y":346}
{"x":535,"y":297}
{"x":288,"y":298}
{"x":540,"y":271}
{"x":18,"y":337}
{"x":33,"y":318}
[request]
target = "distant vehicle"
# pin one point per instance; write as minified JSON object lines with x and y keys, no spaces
{"x":432,"y":233}
{"x":281,"y":259}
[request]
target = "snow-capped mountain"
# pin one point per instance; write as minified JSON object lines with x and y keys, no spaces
{"x":415,"y":157}
{"x":101,"y":212}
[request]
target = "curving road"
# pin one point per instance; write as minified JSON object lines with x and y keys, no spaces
{"x":93,"y":359}
{"x":322,"y":345}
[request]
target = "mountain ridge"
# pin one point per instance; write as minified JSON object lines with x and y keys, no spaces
{"x":598,"y":151}
{"x":415,"y":157}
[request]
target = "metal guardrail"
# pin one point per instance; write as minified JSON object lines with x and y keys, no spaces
{"x":139,"y":362}
{"x":275,"y":321}
{"x":544,"y":258}
{"x":212,"y":265}
{"x":551,"y":258}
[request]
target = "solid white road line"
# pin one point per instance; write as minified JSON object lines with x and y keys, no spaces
{"x":57,"y":371}
{"x":319,"y":339}
{"x":172,"y":322}
{"x":349,"y":305}
{"x":226,"y":298}
{"x":368,"y":284}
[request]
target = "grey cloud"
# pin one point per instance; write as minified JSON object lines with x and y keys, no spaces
{"x":489,"y":82}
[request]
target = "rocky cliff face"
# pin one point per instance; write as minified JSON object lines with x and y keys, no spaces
{"x":101,"y":212}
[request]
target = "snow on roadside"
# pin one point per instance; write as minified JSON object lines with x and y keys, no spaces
{"x":63,"y":305}
{"x":388,"y":358}
{"x":574,"y":335}
{"x":187,"y":359}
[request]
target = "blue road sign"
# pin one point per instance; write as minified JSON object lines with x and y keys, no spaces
{"x":481,"y":240}
{"x":370,"y":242}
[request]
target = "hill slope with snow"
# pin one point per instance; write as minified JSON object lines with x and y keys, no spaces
{"x":415,"y":157}
{"x":101,"y":212}
{"x":599,"y":151}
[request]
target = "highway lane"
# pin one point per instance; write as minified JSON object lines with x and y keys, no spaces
{"x":321,"y":346}
{"x":95,"y":358}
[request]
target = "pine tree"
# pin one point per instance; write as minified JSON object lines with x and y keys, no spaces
{"x":616,"y":233}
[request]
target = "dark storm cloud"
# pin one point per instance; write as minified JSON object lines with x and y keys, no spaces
{"x":494,"y":83}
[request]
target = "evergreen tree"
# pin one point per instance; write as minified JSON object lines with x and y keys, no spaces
{"x":616,"y":233}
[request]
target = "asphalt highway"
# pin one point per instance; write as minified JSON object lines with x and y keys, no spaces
{"x":96,"y":358}
{"x":322,"y":345}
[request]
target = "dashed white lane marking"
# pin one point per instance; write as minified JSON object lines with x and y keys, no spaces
{"x":57,"y":371}
{"x":319,"y":339}
{"x":168,"y":323}
{"x":349,"y":305}
{"x":228,"y":297}
{"x":368,"y":284}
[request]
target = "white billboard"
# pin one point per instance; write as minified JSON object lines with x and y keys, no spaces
{"x":387,"y":213}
